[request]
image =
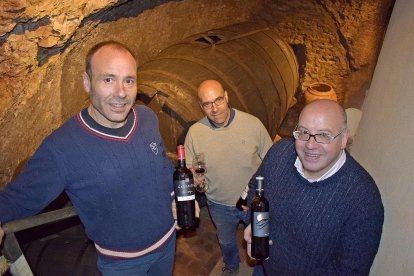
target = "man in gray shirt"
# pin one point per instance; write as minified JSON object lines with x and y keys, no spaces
{"x":234,"y":144}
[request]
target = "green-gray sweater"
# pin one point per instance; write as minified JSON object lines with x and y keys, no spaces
{"x":233,"y":154}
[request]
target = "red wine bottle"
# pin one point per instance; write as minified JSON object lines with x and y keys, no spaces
{"x":260,"y":223}
{"x":242,"y":198}
{"x":184,"y":193}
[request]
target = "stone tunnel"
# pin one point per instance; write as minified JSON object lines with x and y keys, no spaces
{"x":43,"y":44}
{"x":266,"y":53}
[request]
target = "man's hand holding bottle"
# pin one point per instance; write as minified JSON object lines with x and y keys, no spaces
{"x":1,"y":233}
{"x":174,"y":212}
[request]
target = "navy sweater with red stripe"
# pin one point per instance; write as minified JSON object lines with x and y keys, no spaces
{"x":330,"y":227}
{"x":119,"y":181}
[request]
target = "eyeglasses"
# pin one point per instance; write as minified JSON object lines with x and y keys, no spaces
{"x":322,"y":138}
{"x":209,"y":105}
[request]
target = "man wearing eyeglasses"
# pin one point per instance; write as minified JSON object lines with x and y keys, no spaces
{"x":325,"y":209}
{"x":234,"y":144}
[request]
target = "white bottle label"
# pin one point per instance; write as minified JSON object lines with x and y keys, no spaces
{"x":184,"y":189}
{"x":260,"y":224}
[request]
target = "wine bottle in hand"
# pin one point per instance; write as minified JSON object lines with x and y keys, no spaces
{"x":184,"y":193}
{"x":260,"y":223}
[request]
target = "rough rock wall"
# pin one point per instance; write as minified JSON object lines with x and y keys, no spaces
{"x":341,"y":40}
{"x":43,"y":44}
{"x":42,"y":82}
{"x":29,"y":98}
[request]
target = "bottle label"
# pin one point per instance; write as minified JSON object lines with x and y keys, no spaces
{"x":260,"y":224}
{"x":184,"y":189}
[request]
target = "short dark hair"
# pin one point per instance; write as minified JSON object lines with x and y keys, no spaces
{"x":94,"y":49}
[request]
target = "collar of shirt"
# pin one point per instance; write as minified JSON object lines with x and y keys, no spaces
{"x":232,"y":112}
{"x":120,"y":132}
{"x":338,"y":164}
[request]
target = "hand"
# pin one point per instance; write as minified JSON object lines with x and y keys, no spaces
{"x":197,"y":210}
{"x":1,"y":233}
{"x":174,"y":209}
{"x":248,"y":239}
{"x":197,"y":178}
{"x":174,"y":212}
{"x":245,"y":208}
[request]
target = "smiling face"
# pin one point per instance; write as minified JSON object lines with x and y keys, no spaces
{"x":211,"y":92}
{"x":111,"y":85}
{"x":321,"y":116}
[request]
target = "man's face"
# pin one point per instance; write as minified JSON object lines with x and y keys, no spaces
{"x":112,"y":86}
{"x":318,"y":158}
{"x":214,"y":102}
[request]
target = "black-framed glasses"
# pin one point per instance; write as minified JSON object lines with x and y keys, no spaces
{"x":209,"y":105}
{"x":321,"y":138}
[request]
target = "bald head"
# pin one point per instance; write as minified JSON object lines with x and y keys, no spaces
{"x":321,"y":109}
{"x":208,"y":86}
{"x":214,"y":102}
{"x":105,"y":45}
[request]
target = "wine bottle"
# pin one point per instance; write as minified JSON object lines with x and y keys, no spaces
{"x":242,"y":198}
{"x":260,"y":223}
{"x":184,"y":193}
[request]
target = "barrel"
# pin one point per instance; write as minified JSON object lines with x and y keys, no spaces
{"x":257,"y":69}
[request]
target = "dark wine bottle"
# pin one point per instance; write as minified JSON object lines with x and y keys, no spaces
{"x":184,"y":193}
{"x":242,"y":198}
{"x":260,"y":223}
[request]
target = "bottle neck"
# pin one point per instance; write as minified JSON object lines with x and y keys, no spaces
{"x":259,"y":193}
{"x":181,"y":163}
{"x":181,"y":156}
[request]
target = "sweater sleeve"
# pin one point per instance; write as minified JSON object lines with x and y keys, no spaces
{"x":171,"y":172}
{"x":361,"y":235}
{"x":265,"y":142}
{"x":152,"y":117}
{"x":189,"y":148}
{"x":38,"y":185}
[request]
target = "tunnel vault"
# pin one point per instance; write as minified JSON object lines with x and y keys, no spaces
{"x":258,"y":70}
{"x":43,"y":45}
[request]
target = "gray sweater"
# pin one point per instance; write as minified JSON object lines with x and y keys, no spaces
{"x":233,"y":154}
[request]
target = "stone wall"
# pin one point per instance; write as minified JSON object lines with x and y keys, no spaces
{"x":341,"y":40}
{"x":43,"y":44}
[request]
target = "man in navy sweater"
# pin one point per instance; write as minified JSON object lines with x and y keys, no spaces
{"x":110,"y":160}
{"x":326,"y":213}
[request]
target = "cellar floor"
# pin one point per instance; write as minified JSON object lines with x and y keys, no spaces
{"x":199,"y":253}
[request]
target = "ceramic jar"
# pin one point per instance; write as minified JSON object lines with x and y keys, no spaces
{"x":318,"y":91}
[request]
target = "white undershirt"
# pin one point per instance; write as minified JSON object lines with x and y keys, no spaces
{"x":338,"y":164}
